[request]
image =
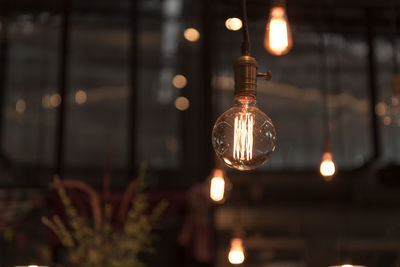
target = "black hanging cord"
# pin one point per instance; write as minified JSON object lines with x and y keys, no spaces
{"x":395,"y":58}
{"x":246,"y":35}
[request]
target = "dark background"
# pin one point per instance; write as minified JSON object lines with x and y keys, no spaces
{"x":124,"y":54}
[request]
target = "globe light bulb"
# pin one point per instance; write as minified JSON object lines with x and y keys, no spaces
{"x":236,"y":252}
{"x":244,"y":137}
{"x":327,"y":167}
{"x":218,"y":186}
{"x":278,"y":37}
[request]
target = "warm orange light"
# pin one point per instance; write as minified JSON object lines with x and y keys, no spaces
{"x":236,"y":253}
{"x":278,"y":37}
{"x":327,"y":167}
{"x":217,"y":186}
{"x":233,"y":24}
{"x":191,"y":34}
{"x":182,"y":103}
{"x":243,"y":136}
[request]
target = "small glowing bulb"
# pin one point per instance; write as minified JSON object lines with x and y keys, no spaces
{"x":33,"y":266}
{"x":236,"y":252}
{"x":233,"y":24}
{"x":179,"y":81}
{"x":80,"y":97}
{"x":347,"y":265}
{"x":244,"y":137}
{"x":327,"y":167}
{"x":219,"y":186}
{"x":278,"y":37}
{"x":20,"y":106}
{"x":191,"y":34}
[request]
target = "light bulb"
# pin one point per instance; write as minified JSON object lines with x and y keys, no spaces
{"x":218,"y":186}
{"x":278,"y":37}
{"x":327,"y":167}
{"x":236,"y":252}
{"x":244,"y":137}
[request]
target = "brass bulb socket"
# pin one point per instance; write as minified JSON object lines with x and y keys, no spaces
{"x":246,"y":77}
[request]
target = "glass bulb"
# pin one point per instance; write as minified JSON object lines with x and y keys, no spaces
{"x":236,"y":252}
{"x":218,"y":186}
{"x":327,"y":167}
{"x":244,"y":137}
{"x":278,"y":37}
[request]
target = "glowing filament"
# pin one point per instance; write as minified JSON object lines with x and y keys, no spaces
{"x":243,"y":137}
{"x":217,"y":187}
{"x":236,"y":253}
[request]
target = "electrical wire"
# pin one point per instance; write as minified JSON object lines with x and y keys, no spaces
{"x":246,"y":35}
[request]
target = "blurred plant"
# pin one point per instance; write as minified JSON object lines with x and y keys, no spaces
{"x":100,"y":244}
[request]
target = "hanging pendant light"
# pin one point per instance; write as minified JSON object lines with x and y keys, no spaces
{"x":327,"y":167}
{"x":236,"y":252}
{"x":278,"y":36}
{"x":218,"y":184}
{"x":244,"y":137}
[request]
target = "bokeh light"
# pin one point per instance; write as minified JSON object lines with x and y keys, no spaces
{"x":179,"y":81}
{"x":191,"y":34}
{"x":182,"y":103}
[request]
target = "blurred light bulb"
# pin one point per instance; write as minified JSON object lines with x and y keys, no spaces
{"x":182,"y":103}
{"x":179,"y":81}
{"x":191,"y":34}
{"x":278,"y":37}
{"x":80,"y":97}
{"x":20,"y":106}
{"x":327,"y":167}
{"x":55,"y":100}
{"x":244,"y":137}
{"x":347,"y":265}
{"x":233,"y":24}
{"x":219,"y":186}
{"x":236,"y":252}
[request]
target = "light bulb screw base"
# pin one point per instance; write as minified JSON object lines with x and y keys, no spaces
{"x":246,"y":77}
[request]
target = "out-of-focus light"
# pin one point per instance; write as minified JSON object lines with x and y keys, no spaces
{"x":20,"y":106}
{"x":218,"y":186}
{"x":347,"y":265}
{"x":179,"y":81}
{"x":80,"y":97}
{"x":46,"y":101}
{"x":182,"y":103}
{"x":380,"y":109}
{"x":233,"y":24}
{"x":55,"y":100}
{"x":327,"y":167}
{"x":191,"y":34}
{"x":278,"y":37}
{"x":236,"y":252}
{"x":387,"y":120}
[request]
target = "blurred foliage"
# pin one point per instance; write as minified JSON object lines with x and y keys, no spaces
{"x":88,"y":246}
